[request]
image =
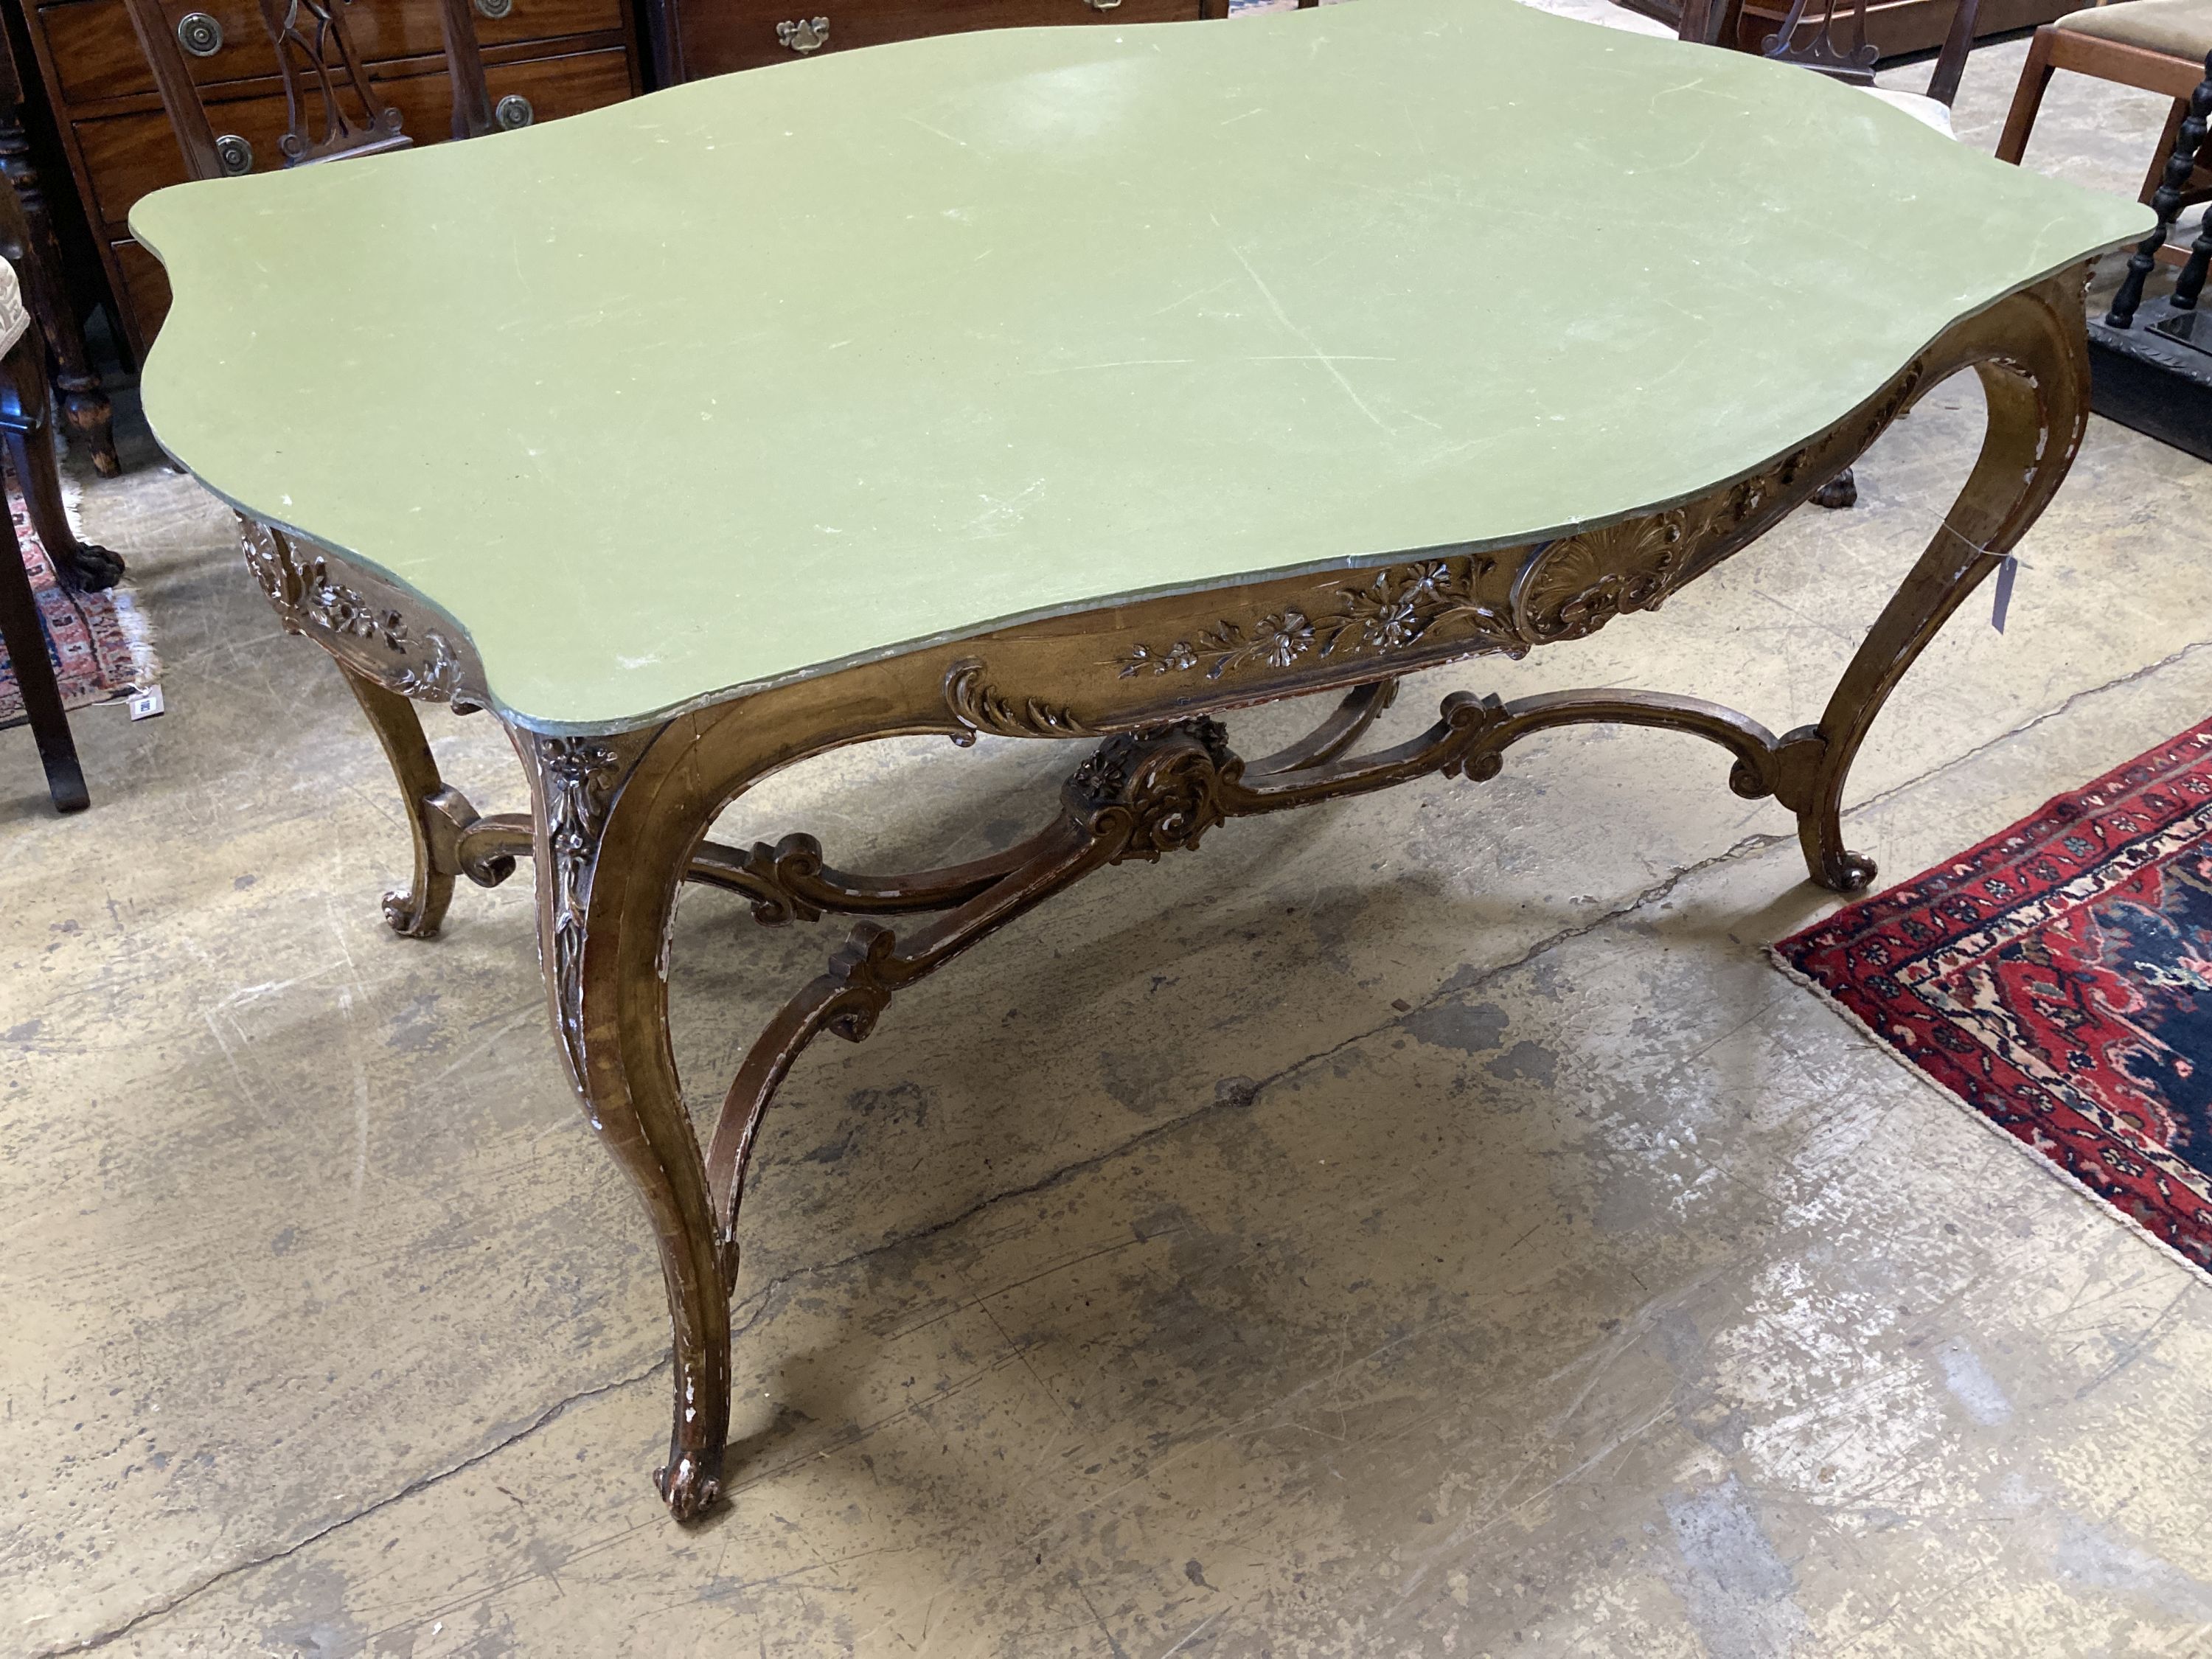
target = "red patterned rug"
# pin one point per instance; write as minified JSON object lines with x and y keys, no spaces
{"x":99,"y":641}
{"x":2058,"y":978}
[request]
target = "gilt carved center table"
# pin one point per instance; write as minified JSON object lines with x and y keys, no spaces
{"x":1070,"y":384}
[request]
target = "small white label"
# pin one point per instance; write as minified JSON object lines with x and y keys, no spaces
{"x":144,"y":705}
{"x":2006,"y":573}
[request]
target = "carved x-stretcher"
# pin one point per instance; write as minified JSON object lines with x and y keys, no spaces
{"x":1074,"y":384}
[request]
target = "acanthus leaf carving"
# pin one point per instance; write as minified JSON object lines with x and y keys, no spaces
{"x":578,"y":778}
{"x":978,"y":707}
{"x":1156,"y":791}
{"x":310,"y":597}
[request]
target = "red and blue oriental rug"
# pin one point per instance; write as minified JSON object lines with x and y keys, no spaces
{"x":99,"y":644}
{"x":2058,"y":979}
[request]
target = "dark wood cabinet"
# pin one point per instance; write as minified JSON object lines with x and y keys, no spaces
{"x":564,"y":56}
{"x":697,"y":38}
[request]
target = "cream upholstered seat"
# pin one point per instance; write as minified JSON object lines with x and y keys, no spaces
{"x":1920,"y":107}
{"x":2178,"y":28}
{"x":2158,"y":46}
{"x":14,"y":319}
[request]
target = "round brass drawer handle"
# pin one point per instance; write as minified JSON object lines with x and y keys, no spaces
{"x":807,"y":34}
{"x":235,"y":154}
{"x":1101,"y":5}
{"x":199,"y":35}
{"x":512,"y":111}
{"x":494,"y":10}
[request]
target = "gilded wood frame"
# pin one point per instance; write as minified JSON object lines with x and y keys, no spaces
{"x":619,"y":819}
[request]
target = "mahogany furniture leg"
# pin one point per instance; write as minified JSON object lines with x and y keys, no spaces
{"x":35,"y":251}
{"x":29,"y":436}
{"x":27,"y":651}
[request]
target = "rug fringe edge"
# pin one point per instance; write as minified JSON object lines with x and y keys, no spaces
{"x":138,"y":633}
{"x":2110,"y":1213}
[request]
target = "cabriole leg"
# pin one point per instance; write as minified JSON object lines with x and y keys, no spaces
{"x":612,"y":848}
{"x":2038,"y":407}
{"x":416,"y":913}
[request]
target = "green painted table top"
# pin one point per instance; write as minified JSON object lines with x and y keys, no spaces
{"x":782,"y":369}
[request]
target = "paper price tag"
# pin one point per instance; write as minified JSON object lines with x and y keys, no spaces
{"x":2006,"y":573}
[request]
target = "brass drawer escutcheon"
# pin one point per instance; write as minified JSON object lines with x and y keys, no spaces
{"x":808,"y":35}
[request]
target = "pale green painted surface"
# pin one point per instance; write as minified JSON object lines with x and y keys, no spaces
{"x":784,"y":368}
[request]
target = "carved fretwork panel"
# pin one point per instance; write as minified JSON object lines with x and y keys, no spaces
{"x":332,"y":108}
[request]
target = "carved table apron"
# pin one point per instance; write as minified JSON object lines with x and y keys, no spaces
{"x":1301,"y":422}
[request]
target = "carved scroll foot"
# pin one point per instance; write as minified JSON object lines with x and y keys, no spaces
{"x":691,"y":1483}
{"x":1839,"y":871}
{"x":450,"y":839}
{"x":612,"y":846}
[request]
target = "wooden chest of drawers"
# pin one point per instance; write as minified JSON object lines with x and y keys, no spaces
{"x":564,"y":56}
{"x":696,"y":38}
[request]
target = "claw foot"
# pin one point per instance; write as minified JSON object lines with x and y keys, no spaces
{"x":691,"y":1485}
{"x":1840,"y":491}
{"x":88,"y":568}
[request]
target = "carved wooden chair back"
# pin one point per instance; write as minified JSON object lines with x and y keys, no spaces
{"x":1828,"y":36}
{"x":333,"y":109}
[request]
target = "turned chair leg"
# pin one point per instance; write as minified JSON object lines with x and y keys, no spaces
{"x":35,"y":673}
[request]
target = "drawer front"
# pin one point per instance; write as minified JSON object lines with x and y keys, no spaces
{"x":125,"y":157}
{"x":95,"y":54}
{"x":720,"y":35}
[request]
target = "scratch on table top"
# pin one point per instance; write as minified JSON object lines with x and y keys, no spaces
{"x":939,"y":132}
{"x":1323,"y":358}
{"x":1127,"y":362}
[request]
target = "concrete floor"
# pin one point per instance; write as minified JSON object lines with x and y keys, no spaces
{"x":1422,"y":1226}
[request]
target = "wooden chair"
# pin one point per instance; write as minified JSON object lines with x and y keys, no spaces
{"x":331,"y":107}
{"x":2158,"y":46}
{"x":1808,"y":35}
{"x":27,"y":430}
{"x":23,"y":383}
